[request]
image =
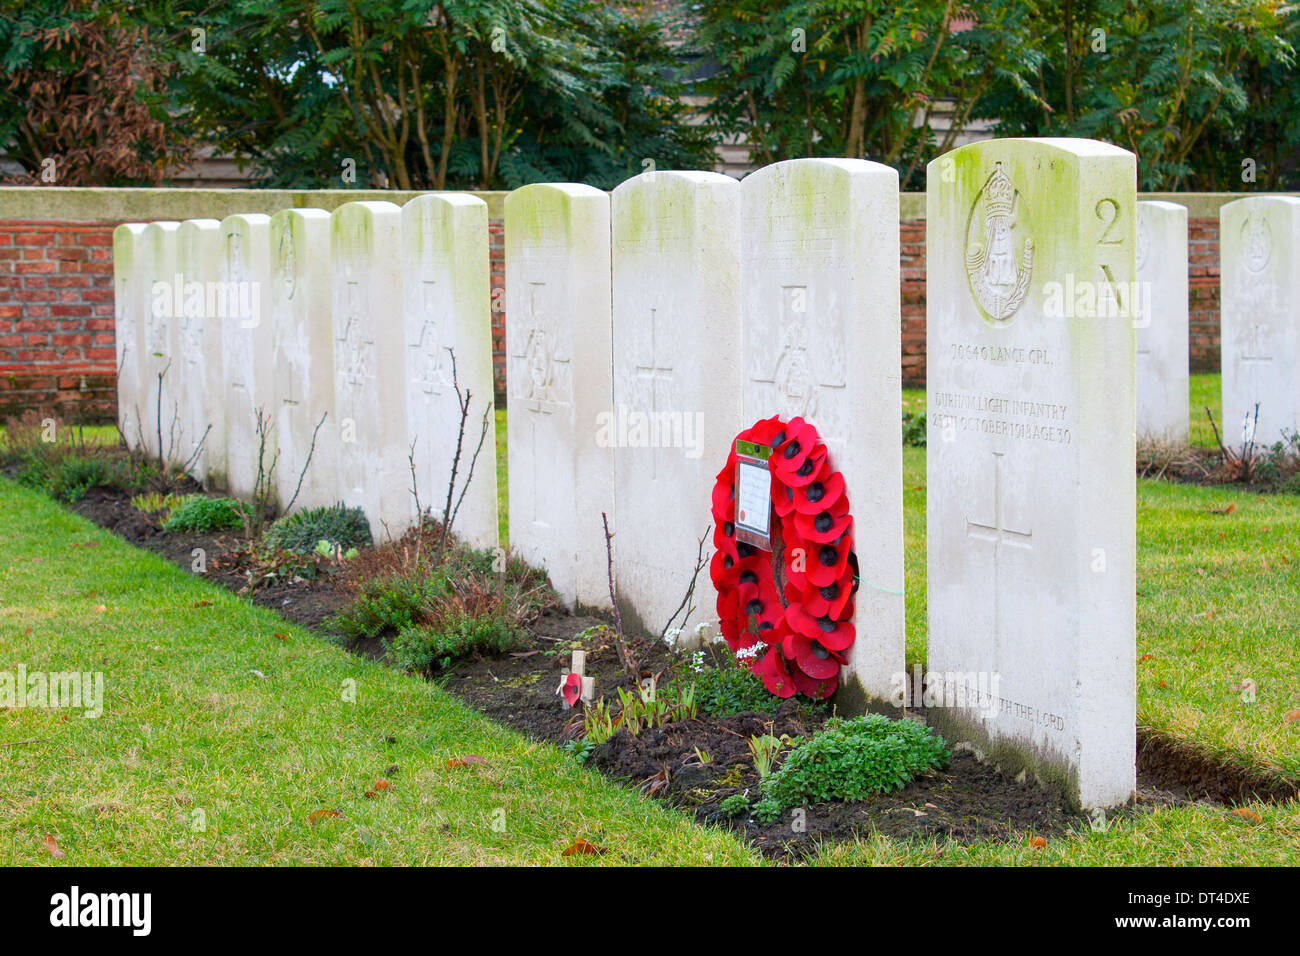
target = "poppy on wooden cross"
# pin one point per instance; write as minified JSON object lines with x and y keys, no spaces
{"x":575,"y":685}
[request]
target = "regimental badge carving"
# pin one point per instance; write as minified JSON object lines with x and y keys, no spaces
{"x":1256,"y":243}
{"x":1143,"y":244}
{"x":539,"y":363}
{"x":996,"y":225}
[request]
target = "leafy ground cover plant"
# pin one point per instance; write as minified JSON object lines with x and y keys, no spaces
{"x":200,"y":514}
{"x":341,"y":527}
{"x":853,"y":759}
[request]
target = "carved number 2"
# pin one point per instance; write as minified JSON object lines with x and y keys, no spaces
{"x":1110,"y":221}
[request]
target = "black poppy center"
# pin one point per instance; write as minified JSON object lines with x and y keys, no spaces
{"x":816,"y":492}
{"x":791,"y":450}
{"x":823,"y":521}
{"x":831,"y":591}
{"x":826,"y":555}
{"x":818,"y":651}
{"x":805,"y":469}
{"x":755,"y":606}
{"x":826,"y":624}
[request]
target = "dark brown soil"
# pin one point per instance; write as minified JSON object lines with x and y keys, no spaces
{"x":308,"y":602}
{"x":967,"y":801}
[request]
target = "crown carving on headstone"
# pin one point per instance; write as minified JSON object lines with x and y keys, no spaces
{"x":999,"y":194}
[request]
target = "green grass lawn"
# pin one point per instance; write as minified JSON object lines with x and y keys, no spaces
{"x":206,"y":709}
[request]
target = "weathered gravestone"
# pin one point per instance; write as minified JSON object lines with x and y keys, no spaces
{"x":558,"y":382}
{"x":200,"y":383}
{"x":248,"y":353}
{"x":1030,"y":495}
{"x":158,"y":370}
{"x":1162,"y":340}
{"x":370,"y":364}
{"x":822,"y":341}
{"x":1259,"y":243}
{"x":677,"y":382}
{"x":303,"y":338}
{"x":130,"y":300}
{"x":448,"y":314}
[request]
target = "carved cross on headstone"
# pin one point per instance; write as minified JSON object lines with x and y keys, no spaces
{"x":998,"y":533}
{"x":357,"y":347}
{"x":430,"y":355}
{"x":797,"y":378}
{"x":653,"y":373}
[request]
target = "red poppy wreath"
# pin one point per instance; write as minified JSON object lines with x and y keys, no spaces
{"x":795,"y":635}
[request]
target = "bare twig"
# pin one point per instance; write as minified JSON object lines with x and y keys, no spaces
{"x":198,"y":450}
{"x":700,"y":563}
{"x":469,"y":475}
{"x":625,"y":654}
{"x":306,"y":464}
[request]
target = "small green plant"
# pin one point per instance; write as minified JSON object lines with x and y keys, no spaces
{"x":734,"y":805}
{"x":853,"y":759}
{"x":598,"y":723}
{"x":703,"y":757}
{"x":201,"y":515}
{"x":767,"y":811}
{"x":429,"y":648}
{"x":914,"y":429}
{"x":387,"y":604}
{"x":579,"y":750}
{"x":157,"y":503}
{"x":726,"y":688}
{"x":341,"y":528}
{"x":765,"y":748}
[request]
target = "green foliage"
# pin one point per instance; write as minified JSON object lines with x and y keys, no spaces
{"x":462,"y":94}
{"x":765,"y":748}
{"x":388,"y":604}
{"x":429,"y":648}
{"x":598,"y":722}
{"x":340,"y":527}
{"x":726,"y":688}
{"x":200,"y":514}
{"x":1164,"y":79}
{"x":767,"y":811}
{"x":914,"y":429}
{"x":853,"y":759}
{"x":59,"y":461}
{"x":734,"y":805}
{"x":579,"y":750}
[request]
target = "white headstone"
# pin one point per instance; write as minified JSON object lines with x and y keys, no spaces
{"x":822,"y":341}
{"x":1031,"y":507}
{"x":1259,"y":249}
{"x":200,"y":384}
{"x":130,"y":301}
{"x":1162,"y":339}
{"x":677,"y":382}
{"x":158,"y":370}
{"x":370,"y":364}
{"x":558,"y":329}
{"x":448,"y":311}
{"x":248,"y":351}
{"x":303,"y":335}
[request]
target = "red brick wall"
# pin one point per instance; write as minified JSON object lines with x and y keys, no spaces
{"x":56,"y":312}
{"x":1203,"y":294}
{"x":56,"y":319}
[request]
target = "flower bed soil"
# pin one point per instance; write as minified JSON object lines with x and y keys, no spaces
{"x":968,"y":801}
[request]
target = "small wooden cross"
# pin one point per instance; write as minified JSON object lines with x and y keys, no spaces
{"x":584,"y":685}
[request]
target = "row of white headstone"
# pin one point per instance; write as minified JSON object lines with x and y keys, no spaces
{"x":1259,"y":253}
{"x":321,"y":337}
{"x":646,"y":327}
